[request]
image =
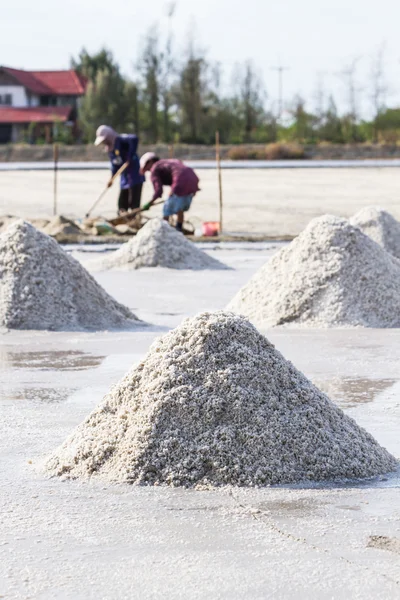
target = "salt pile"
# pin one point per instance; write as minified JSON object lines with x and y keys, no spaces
{"x":331,"y":275}
{"x":214,"y":403}
{"x":61,"y":225}
{"x":380,"y":226}
{"x":42,"y":287}
{"x":158,"y":244}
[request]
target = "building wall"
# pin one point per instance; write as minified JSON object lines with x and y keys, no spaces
{"x":17,"y":134}
{"x":18,"y":94}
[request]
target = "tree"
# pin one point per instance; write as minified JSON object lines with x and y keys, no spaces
{"x":331,"y":128}
{"x":150,"y":68}
{"x":349,"y":78}
{"x":133,"y":106}
{"x":379,"y":88}
{"x":106,"y":102}
{"x":304,"y":122}
{"x":190,"y":93}
{"x":90,"y":65}
{"x":167,"y":71}
{"x":249,"y":98}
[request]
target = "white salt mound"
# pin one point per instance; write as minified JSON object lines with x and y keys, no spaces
{"x":214,"y":403}
{"x":380,"y":226}
{"x":331,"y":275}
{"x":158,"y":244}
{"x":42,"y":287}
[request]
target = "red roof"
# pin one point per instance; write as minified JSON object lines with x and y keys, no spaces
{"x":63,"y":83}
{"x":39,"y":114}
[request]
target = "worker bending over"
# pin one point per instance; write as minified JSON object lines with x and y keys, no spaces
{"x":182,"y":179}
{"x":122,"y":148}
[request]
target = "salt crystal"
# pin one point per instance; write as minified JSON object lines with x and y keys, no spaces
{"x":380,"y":226}
{"x":158,"y":244}
{"x":214,"y":403}
{"x":42,"y":287}
{"x":331,"y":275}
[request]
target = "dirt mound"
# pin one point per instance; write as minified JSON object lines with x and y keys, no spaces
{"x":42,"y":287}
{"x":158,"y":245}
{"x":331,"y":275}
{"x":214,"y":403}
{"x":380,"y":226}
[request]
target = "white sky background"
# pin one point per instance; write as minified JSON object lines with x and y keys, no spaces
{"x":309,"y":36}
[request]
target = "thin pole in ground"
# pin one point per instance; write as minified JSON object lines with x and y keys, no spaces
{"x":218,"y":159}
{"x":55,"y":157}
{"x":280,"y":70}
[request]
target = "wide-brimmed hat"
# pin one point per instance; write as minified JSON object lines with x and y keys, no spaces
{"x":147,"y":157}
{"x":104,"y":133}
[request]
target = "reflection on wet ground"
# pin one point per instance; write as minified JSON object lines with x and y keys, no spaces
{"x":294,"y":508}
{"x":71,"y":360}
{"x":350,"y":391}
{"x":40,"y":395}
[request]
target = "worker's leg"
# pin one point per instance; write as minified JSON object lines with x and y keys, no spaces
{"x":183,"y":205}
{"x":179,"y":220}
{"x":135,"y":194}
{"x":169,"y":207}
{"x":123,"y":201}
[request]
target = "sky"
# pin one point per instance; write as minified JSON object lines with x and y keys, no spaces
{"x":315,"y":39}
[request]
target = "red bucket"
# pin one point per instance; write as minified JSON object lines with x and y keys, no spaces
{"x":210,"y":228}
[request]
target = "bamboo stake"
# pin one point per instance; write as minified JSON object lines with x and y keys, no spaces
{"x":55,"y":156}
{"x":218,"y":159}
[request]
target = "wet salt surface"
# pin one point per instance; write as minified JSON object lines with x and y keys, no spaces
{"x":39,"y":394}
{"x":350,"y":391}
{"x":72,"y":360}
{"x":229,"y":543}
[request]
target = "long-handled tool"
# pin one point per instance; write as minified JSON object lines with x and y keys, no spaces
{"x":120,"y":170}
{"x":132,"y":214}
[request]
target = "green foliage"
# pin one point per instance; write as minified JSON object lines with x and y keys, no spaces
{"x":389,"y":119}
{"x":179,"y":99}
{"x":106,"y":101}
{"x":90,"y":65}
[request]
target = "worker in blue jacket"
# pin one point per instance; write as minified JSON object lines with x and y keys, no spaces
{"x":122,"y":149}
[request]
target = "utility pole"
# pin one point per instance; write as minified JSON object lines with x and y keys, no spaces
{"x":280,"y":70}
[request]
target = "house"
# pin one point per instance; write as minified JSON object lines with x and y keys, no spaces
{"x":34,"y":103}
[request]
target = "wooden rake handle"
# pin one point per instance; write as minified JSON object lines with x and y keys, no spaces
{"x":113,"y":178}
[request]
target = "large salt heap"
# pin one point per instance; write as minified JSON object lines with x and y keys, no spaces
{"x":380,"y":226}
{"x":331,"y":275}
{"x":42,"y":287}
{"x":158,"y":244}
{"x":214,"y":403}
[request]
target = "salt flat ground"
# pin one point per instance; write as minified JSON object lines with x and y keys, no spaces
{"x":71,"y":540}
{"x":269,"y":201}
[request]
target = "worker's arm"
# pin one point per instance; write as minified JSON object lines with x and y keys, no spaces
{"x":158,"y":191}
{"x":114,"y":170}
{"x":124,"y":150}
{"x":158,"y":187}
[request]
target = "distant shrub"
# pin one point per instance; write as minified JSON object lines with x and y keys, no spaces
{"x":276,"y":151}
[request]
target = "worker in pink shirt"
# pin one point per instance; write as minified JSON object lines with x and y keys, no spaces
{"x":183,"y":181}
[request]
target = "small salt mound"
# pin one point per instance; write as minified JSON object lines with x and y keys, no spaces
{"x":158,"y":244}
{"x":214,"y":403}
{"x":61,"y":225}
{"x":380,"y":226}
{"x":42,"y":287}
{"x":331,"y":275}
